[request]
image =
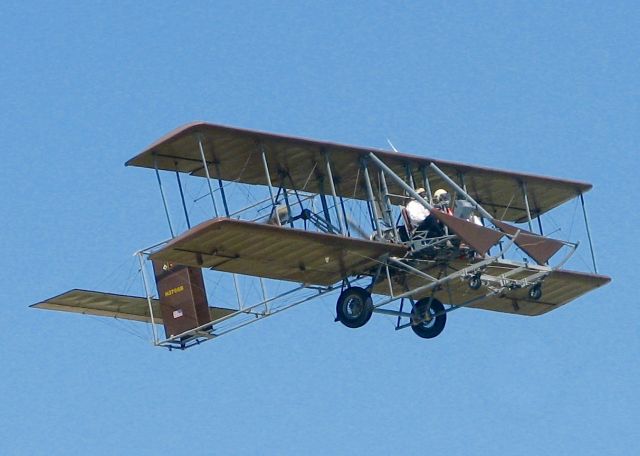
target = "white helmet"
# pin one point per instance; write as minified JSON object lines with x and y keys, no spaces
{"x":440,"y":195}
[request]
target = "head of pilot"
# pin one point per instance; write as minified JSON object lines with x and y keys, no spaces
{"x":441,"y":196}
{"x":421,"y":192}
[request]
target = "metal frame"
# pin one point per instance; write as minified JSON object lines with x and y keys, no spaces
{"x":164,"y":197}
{"x":205,"y":165}
{"x":184,"y":204}
{"x":267,"y":306}
{"x":375,"y":217}
{"x":586,"y":224}
{"x":242,"y":316}
{"x":341,"y":222}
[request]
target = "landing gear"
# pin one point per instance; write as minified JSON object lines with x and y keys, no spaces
{"x":354,"y":307}
{"x":535,"y":292}
{"x":475,"y":282}
{"x":426,"y":324}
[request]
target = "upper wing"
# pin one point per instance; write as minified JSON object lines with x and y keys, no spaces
{"x":234,"y":154}
{"x":274,"y":252}
{"x":113,"y":305}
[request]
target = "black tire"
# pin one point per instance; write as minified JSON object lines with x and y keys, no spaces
{"x":431,"y":328}
{"x":475,"y":283}
{"x":354,"y":307}
{"x":535,"y":292}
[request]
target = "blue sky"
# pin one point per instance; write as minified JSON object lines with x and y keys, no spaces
{"x":543,"y":87}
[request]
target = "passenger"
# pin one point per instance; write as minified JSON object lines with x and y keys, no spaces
{"x":422,"y":218}
{"x":279,"y":216}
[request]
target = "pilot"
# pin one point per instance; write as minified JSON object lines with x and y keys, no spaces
{"x":422,"y":218}
{"x":442,"y":201}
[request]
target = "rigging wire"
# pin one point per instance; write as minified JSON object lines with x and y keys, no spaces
{"x":573,"y":218}
{"x":304,"y":187}
{"x":123,"y":326}
{"x":109,"y":280}
{"x":508,"y":206}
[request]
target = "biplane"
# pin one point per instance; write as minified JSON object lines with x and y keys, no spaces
{"x":294,"y":219}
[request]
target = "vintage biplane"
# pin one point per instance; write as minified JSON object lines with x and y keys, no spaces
{"x":330,"y":218}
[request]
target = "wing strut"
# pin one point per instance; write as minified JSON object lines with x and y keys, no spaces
{"x":457,"y":188}
{"x":380,"y":164}
{"x":586,"y":224}
{"x":206,"y":171}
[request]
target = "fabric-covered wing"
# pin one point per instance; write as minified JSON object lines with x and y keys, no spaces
{"x":559,"y":288}
{"x":112,"y":305}
{"x":234,"y":154}
{"x":274,"y":252}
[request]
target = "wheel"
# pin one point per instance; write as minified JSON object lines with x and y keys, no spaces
{"x":428,"y":329}
{"x":354,"y":307}
{"x":535,"y":292}
{"x":475,"y":283}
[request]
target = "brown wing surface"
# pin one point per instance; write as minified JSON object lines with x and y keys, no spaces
{"x":236,"y":153}
{"x":537,"y":247}
{"x":112,"y":305}
{"x":478,"y":237}
{"x":559,"y":288}
{"x":274,"y":252}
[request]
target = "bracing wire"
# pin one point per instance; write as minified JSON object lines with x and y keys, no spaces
{"x":123,"y":327}
{"x":508,"y":206}
{"x":306,"y":182}
{"x":573,"y":219}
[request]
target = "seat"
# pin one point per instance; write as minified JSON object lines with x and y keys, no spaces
{"x":405,"y":232}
